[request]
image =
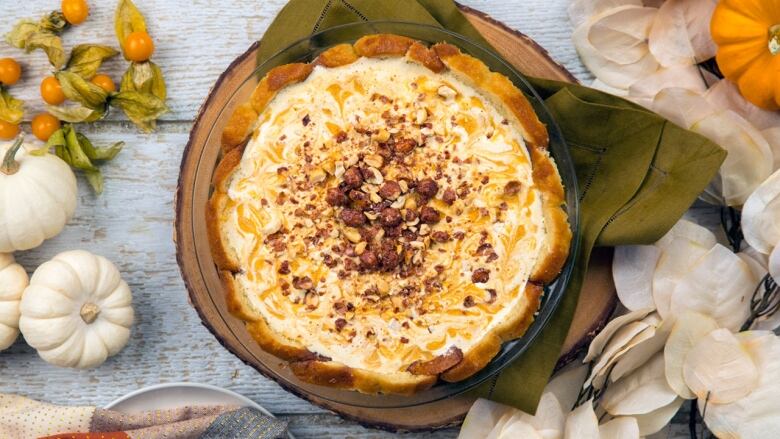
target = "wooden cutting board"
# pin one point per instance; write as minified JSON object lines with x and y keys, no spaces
{"x":596,"y":303}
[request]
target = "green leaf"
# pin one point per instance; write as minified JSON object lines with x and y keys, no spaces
{"x":85,"y":59}
{"x":82,"y":91}
{"x":95,"y":179}
{"x":127,"y":19}
{"x":57,"y":138}
{"x":141,"y":108}
{"x":54,"y":22}
{"x":94,"y":153}
{"x":144,"y":77}
{"x":79,"y":159}
{"x":75,"y":113}
{"x":11,"y":109}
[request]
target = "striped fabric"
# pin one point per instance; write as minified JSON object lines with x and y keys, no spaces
{"x":24,"y":418}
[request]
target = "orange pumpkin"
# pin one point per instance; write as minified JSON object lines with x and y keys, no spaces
{"x":747,"y":33}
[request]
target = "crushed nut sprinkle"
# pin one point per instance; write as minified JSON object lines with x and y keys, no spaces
{"x":480,"y":275}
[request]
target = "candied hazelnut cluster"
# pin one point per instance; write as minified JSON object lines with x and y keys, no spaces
{"x":386,"y":221}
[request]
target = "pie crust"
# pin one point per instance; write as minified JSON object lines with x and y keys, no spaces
{"x":297,"y":268}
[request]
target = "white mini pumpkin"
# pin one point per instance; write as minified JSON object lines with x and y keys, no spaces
{"x":13,"y":280}
{"x":77,"y":310}
{"x":37,"y":195}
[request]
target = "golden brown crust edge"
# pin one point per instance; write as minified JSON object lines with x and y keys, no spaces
{"x":481,"y":354}
{"x":334,"y":374}
{"x":322,"y":371}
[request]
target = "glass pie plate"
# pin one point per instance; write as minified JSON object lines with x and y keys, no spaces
{"x":202,"y":155}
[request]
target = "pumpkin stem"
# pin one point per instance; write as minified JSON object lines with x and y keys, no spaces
{"x":11,"y":166}
{"x":89,"y":312}
{"x":774,"y":39}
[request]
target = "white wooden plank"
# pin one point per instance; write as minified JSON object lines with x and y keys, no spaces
{"x":132,"y":223}
{"x":197,"y":40}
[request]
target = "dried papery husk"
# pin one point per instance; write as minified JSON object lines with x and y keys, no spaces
{"x":755,"y":415}
{"x":601,"y":340}
{"x":687,"y":331}
{"x":772,"y":136}
{"x":633,"y":267}
{"x":622,"y":427}
{"x":498,"y":428}
{"x":620,"y":37}
{"x":719,"y":285}
{"x":549,"y":418}
{"x":681,"y":248}
{"x":771,"y":322}
{"x":641,"y":392}
{"x":518,"y":429}
{"x":628,"y":21}
{"x":682,"y":106}
{"x":719,"y":369}
{"x":761,"y":215}
{"x":581,"y":11}
{"x":642,"y":352}
{"x":482,"y":418}
{"x":774,"y":264}
{"x":725,"y":95}
{"x":582,"y":423}
{"x":614,"y":352}
{"x":566,"y":384}
{"x":758,"y":270}
{"x":688,"y":77}
{"x":655,"y":421}
{"x":598,"y":84}
{"x":749,"y":160}
{"x":680,"y":34}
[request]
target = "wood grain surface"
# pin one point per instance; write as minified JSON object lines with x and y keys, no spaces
{"x":131,"y":223}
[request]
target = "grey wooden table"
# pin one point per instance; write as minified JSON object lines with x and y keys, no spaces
{"x":131,"y":223}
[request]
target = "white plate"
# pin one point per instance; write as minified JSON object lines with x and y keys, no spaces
{"x":172,"y":395}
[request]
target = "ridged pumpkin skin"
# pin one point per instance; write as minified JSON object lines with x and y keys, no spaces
{"x":747,"y":33}
{"x":13,"y":280}
{"x":36,"y":201}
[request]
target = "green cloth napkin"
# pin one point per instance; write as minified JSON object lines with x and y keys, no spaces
{"x":637,"y":172}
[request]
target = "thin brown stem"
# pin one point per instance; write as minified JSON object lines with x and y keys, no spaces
{"x":10,"y":166}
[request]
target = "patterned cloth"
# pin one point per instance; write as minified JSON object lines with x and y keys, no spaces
{"x":23,"y":418}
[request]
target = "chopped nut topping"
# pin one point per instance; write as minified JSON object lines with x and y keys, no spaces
{"x":284,"y":267}
{"x":317,"y":175}
{"x":427,"y":187}
{"x":302,"y":283}
{"x":382,"y":135}
{"x":440,"y":236}
{"x":468,"y":302}
{"x":390,"y":217}
{"x":353,"y":178}
{"x":446,"y":92}
{"x":360,"y":248}
{"x":382,"y":286}
{"x":480,"y":275}
{"x":312,"y":300}
{"x":374,"y":160}
{"x":369,"y":260}
{"x":373,"y":176}
{"x":390,"y":190}
{"x":512,"y":187}
{"x":352,"y":234}
{"x":449,"y":196}
{"x":352,"y":217}
{"x":429,"y":215}
{"x":340,"y":324}
{"x":404,"y":146}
